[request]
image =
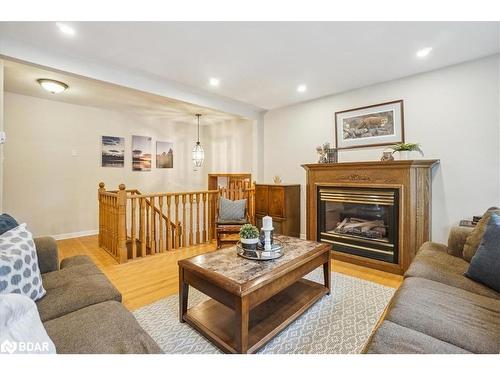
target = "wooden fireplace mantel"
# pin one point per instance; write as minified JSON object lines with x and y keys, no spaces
{"x":413,"y":180}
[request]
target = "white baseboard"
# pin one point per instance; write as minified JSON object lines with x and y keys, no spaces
{"x":303,"y":236}
{"x":65,"y":236}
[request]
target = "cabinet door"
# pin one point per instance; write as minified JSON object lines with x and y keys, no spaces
{"x":276,"y":201}
{"x":261,"y":199}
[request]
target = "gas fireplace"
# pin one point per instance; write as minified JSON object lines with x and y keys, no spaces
{"x":374,"y":213}
{"x":361,"y":222}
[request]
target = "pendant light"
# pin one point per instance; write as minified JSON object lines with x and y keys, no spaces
{"x":198,"y":153}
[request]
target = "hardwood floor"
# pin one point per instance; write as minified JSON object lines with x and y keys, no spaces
{"x":144,"y":281}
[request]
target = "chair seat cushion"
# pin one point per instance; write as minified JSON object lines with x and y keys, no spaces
{"x":432,"y":262}
{"x":391,"y":338}
{"x":461,"y":318}
{"x":232,"y":222}
{"x":106,"y":328}
{"x":73,"y":288}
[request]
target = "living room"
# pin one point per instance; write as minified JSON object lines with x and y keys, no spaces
{"x":267,"y":187}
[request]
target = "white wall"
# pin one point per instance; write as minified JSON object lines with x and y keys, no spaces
{"x":56,"y":193}
{"x":231,"y":147}
{"x":452,"y":112}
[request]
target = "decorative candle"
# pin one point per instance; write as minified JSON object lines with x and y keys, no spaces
{"x":267,"y":223}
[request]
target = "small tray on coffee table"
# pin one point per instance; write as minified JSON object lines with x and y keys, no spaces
{"x":277,"y":250}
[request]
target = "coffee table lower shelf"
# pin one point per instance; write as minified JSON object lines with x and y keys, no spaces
{"x":216,"y":321}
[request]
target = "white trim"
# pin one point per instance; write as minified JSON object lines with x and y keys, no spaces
{"x":65,"y":236}
{"x":303,"y":236}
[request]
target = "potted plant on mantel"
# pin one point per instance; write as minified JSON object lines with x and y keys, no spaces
{"x":404,"y":150}
{"x":249,"y":237}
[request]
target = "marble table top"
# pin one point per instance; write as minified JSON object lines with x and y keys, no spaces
{"x":229,"y":264}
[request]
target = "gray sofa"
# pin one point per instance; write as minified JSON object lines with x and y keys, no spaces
{"x":439,"y":310}
{"x":82,"y":310}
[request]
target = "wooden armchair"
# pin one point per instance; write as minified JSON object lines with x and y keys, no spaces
{"x":227,"y":230}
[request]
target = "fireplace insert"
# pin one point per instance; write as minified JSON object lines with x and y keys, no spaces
{"x":360,"y":221}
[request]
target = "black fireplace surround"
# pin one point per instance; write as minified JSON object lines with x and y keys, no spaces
{"x":360,"y":221}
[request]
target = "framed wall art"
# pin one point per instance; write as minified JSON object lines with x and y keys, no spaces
{"x":164,"y":154}
{"x":112,"y":151}
{"x":373,"y":125}
{"x":141,"y":153}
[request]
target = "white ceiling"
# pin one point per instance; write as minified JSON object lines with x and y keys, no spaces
{"x":22,"y":79}
{"x":261,"y":63}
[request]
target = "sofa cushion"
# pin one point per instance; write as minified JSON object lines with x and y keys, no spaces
{"x":7,"y":223}
{"x":432,"y":262}
{"x":391,"y":338}
{"x":76,"y":260}
{"x":449,"y":314}
{"x":48,"y":255}
{"x":474,"y":238}
{"x":106,"y":328}
{"x":485,"y":264}
{"x":73,"y":288}
{"x":19,"y":271}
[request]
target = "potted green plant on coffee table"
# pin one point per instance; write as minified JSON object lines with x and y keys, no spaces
{"x":249,"y":237}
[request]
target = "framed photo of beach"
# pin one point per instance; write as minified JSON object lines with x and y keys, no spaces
{"x":373,"y":125}
{"x":141,"y":153}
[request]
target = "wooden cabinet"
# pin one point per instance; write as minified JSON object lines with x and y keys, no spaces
{"x":282,"y":203}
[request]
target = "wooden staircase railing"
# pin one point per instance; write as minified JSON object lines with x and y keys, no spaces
{"x":134,"y":225}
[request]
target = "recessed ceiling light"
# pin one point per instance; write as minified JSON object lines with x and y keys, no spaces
{"x":52,"y":86}
{"x":65,"y":29}
{"x":214,"y":82}
{"x":424,"y":52}
{"x":301,"y":88}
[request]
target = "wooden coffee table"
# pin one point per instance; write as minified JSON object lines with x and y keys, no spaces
{"x":251,"y":301}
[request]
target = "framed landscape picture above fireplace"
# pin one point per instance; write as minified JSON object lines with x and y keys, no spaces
{"x":373,"y":125}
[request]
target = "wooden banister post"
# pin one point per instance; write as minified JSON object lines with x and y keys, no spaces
{"x":101,"y":211}
{"x":122,"y":224}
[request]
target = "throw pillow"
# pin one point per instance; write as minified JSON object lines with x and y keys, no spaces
{"x":485,"y":264}
{"x":19,"y":272}
{"x":7,"y":223}
{"x":474,"y":238}
{"x":21,"y":330}
{"x":232,"y":210}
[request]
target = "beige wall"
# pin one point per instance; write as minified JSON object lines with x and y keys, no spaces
{"x":55,"y":192}
{"x":453,"y":113}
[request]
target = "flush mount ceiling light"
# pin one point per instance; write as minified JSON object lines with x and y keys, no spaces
{"x":214,"y":82}
{"x":424,"y":52}
{"x":52,"y":86}
{"x":301,"y":88}
{"x":198,"y":153}
{"x":65,"y":29}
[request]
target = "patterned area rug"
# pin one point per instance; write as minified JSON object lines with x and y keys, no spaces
{"x":337,"y":324}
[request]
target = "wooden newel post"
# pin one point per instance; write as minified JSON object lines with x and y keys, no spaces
{"x":101,"y":211}
{"x":122,"y":228}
